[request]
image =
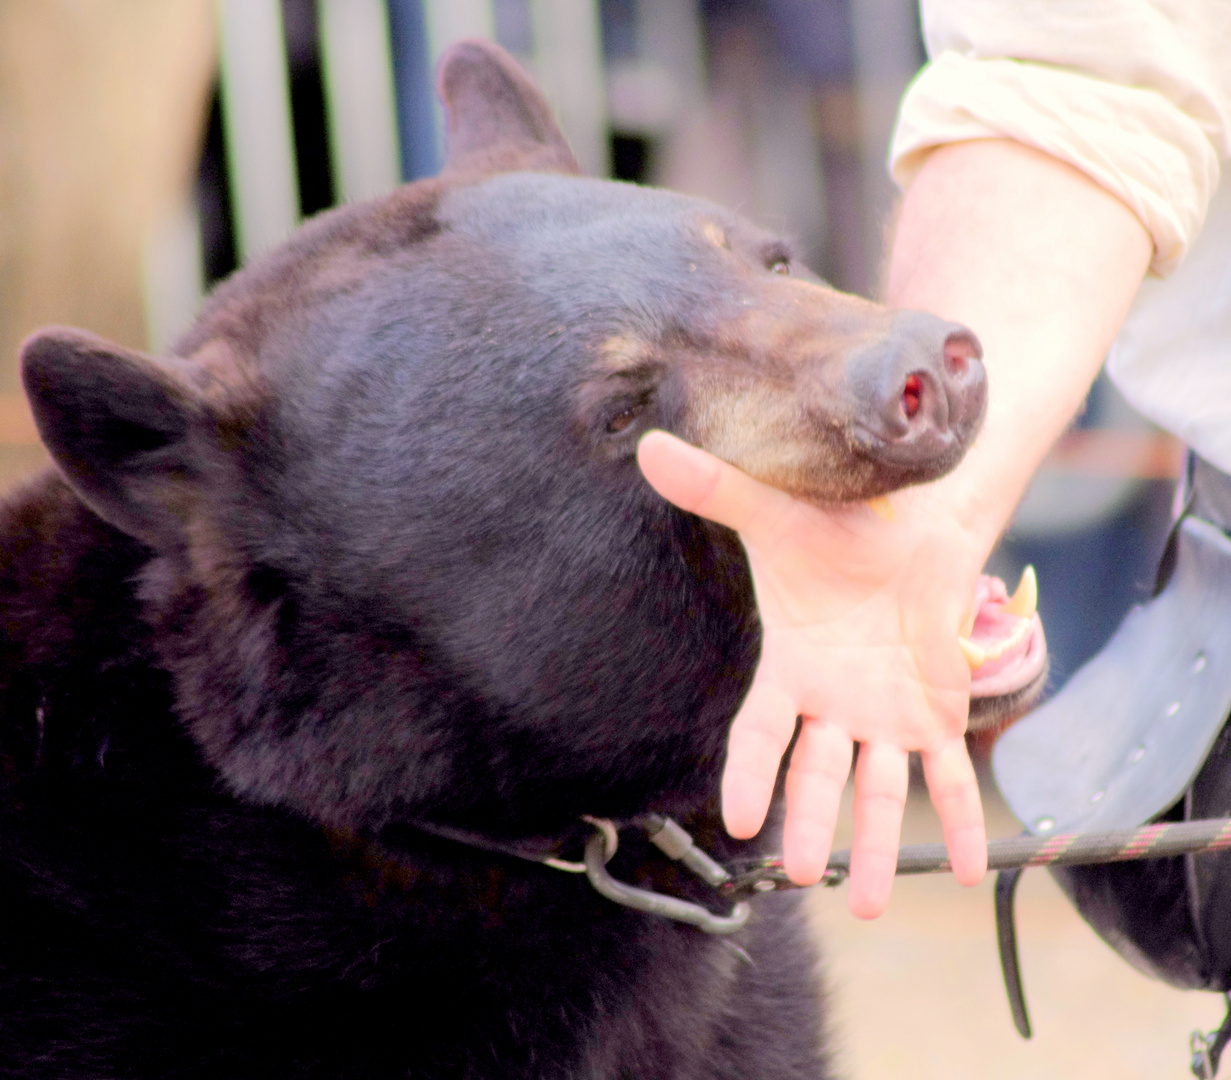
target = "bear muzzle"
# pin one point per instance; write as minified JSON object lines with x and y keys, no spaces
{"x":843,"y":408}
{"x":921,"y":392}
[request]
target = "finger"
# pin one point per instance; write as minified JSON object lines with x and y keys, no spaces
{"x":880,"y":797}
{"x":954,"y":790}
{"x":820,"y":764}
{"x":760,"y":734}
{"x":702,"y":484}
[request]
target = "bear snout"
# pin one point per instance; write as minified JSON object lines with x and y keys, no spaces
{"x":920,"y":393}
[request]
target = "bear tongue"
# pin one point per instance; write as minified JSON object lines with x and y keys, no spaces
{"x":1006,"y":648}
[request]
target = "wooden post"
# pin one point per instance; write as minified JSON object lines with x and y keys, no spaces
{"x":102,"y":106}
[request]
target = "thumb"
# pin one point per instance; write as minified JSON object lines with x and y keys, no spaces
{"x":702,"y":484}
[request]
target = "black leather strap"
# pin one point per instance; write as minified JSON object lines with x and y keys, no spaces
{"x":1124,"y":739}
{"x":1006,"y":939}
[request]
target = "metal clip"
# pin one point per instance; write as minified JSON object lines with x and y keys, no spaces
{"x":599,"y":850}
{"x":1202,"y":1066}
{"x":1207,"y":1049}
{"x":674,"y":842}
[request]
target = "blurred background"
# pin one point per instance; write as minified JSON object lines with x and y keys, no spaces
{"x":148,"y":148}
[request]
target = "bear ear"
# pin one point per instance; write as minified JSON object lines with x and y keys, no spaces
{"x":497,"y":121}
{"x":117,"y":423}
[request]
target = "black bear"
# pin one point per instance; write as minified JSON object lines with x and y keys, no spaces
{"x":326,"y":629}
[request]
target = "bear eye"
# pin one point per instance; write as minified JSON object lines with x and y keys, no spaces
{"x":629,"y":410}
{"x":621,"y":420}
{"x":776,"y":258}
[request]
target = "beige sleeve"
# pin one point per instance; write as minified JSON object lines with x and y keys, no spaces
{"x":1135,"y":93}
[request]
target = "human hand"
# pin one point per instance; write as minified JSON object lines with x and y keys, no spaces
{"x":860,"y":621}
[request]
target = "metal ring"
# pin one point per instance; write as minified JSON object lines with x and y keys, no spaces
{"x":653,"y":903}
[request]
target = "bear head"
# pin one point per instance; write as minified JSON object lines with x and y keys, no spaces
{"x":402,"y":564}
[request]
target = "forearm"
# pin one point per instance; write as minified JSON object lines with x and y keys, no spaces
{"x":1042,"y":264}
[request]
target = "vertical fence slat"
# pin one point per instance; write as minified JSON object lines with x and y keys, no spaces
{"x":359,"y":104}
{"x":568,"y":61}
{"x":257,"y":111}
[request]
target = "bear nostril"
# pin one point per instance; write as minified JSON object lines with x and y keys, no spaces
{"x":912,"y":395}
{"x":960,"y":348}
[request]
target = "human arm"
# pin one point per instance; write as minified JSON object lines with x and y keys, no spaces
{"x":862,"y":615}
{"x":1126,"y":104}
{"x":1042,"y":263}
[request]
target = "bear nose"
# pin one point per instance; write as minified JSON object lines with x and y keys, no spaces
{"x":921,"y":389}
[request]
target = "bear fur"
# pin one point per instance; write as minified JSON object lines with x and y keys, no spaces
{"x":369,"y":559}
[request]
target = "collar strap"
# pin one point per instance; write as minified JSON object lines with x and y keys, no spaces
{"x":663,"y":832}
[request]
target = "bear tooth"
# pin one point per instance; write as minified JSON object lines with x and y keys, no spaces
{"x":881,"y":507}
{"x":1025,"y":601}
{"x":995,"y":652}
{"x":975,"y":656}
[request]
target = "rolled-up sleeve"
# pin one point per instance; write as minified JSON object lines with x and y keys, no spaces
{"x":1136,"y":94}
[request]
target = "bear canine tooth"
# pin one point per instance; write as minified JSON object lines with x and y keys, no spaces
{"x":1025,"y":601}
{"x":976,"y":656}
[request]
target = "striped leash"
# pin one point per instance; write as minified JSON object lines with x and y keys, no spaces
{"x":1155,"y":841}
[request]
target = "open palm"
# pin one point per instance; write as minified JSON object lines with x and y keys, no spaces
{"x":861,"y":615}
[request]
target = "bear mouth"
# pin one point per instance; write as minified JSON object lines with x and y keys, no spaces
{"x":1006,"y":649}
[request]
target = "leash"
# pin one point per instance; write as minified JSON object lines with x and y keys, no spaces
{"x":739,"y":880}
{"x":1155,"y":841}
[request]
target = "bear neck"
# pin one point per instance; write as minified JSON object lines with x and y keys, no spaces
{"x":78,"y":683}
